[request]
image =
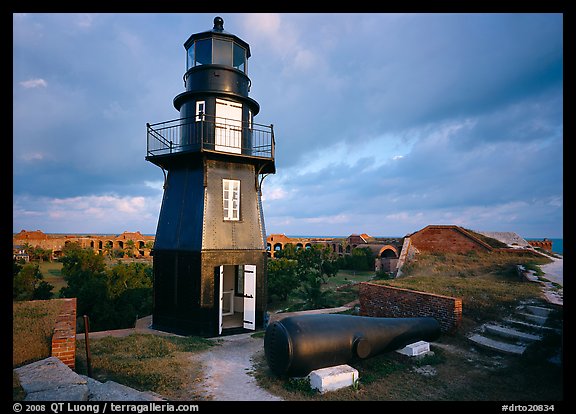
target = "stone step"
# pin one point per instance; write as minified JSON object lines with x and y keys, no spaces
{"x":113,"y":391}
{"x":540,"y":320}
{"x":511,"y":333}
{"x":539,"y":310}
{"x":51,"y":380}
{"x":498,"y":346}
{"x":527,"y":326}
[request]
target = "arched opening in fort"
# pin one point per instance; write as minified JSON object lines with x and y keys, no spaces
{"x":387,"y":259}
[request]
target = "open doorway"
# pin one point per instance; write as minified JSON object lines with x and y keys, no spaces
{"x":237,"y":308}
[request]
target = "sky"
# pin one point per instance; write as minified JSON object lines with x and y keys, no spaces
{"x":384,"y":123}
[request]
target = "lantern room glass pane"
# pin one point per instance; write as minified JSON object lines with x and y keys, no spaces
{"x":239,"y":58}
{"x":203,"y":52}
{"x":222,"y":50}
{"x":190,"y":57}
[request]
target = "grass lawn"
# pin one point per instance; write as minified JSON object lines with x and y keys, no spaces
{"x":32,"y":329}
{"x":146,"y":362}
{"x":52,"y":272}
{"x":344,"y":277}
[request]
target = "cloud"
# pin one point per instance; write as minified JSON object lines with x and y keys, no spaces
{"x":34,"y":83}
{"x":84,"y":20}
{"x":33,"y":156}
{"x":92,"y":213}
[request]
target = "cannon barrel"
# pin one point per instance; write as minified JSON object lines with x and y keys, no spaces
{"x":296,"y":345}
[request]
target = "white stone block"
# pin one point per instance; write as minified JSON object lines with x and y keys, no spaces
{"x":417,"y":348}
{"x":333,"y":378}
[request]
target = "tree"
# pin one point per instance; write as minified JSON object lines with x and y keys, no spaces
{"x":111,"y":297}
{"x":313,"y":295}
{"x":108,"y":248}
{"x":361,"y":258}
{"x":28,"y":283}
{"x":43,"y":291}
{"x":282,"y":277}
{"x":130,"y":247}
{"x":125,"y":276}
{"x":25,"y":282}
{"x":315,"y":261}
{"x":84,"y":274}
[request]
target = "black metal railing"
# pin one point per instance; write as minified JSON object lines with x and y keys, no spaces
{"x":206,"y":132}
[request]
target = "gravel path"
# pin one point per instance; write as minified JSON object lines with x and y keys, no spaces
{"x":227,"y":370}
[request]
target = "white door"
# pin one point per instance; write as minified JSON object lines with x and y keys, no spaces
{"x":228,"y":126}
{"x":250,"y":297}
{"x":221,"y":298}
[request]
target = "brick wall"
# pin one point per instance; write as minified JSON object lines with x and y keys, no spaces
{"x":64,"y":337}
{"x":390,"y":302}
{"x":446,"y":238}
{"x":543,"y":244}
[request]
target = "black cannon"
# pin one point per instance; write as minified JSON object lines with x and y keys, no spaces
{"x":296,"y":345}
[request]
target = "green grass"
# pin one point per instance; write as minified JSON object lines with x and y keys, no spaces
{"x":52,"y":272}
{"x":144,"y":362}
{"x":344,"y":277}
{"x":32,"y":329}
{"x":487,"y":283}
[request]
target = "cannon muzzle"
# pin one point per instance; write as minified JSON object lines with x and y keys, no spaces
{"x":297,"y":345}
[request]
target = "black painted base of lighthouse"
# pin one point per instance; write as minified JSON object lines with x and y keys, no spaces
{"x":186,"y":294}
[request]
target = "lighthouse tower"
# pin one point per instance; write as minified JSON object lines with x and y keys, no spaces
{"x":209,"y":255}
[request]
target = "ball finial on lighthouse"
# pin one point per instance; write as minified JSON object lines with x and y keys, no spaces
{"x":218,"y":23}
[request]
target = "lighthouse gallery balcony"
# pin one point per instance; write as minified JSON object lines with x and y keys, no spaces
{"x":206,"y":133}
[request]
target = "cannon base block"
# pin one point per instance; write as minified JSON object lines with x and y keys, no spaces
{"x":333,"y":378}
{"x":415,"y":349}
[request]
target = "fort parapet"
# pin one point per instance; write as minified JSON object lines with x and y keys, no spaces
{"x":133,"y":244}
{"x":543,"y":244}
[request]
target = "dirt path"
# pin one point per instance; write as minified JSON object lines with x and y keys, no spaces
{"x":227,"y":370}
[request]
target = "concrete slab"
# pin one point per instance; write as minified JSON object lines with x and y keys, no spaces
{"x":527,"y":326}
{"x":511,"y":333}
{"x":497,"y":345}
{"x":540,"y":320}
{"x":113,"y":391}
{"x":50,"y":379}
{"x":415,"y":349}
{"x":333,"y":378}
{"x":539,"y":310}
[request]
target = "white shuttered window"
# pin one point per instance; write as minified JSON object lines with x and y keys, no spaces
{"x":231,"y":198}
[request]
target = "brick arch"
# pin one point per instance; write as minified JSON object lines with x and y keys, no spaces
{"x":384,"y":252}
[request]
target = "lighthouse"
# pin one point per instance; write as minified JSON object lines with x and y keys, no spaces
{"x":209,"y":255}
